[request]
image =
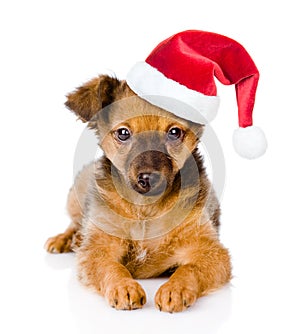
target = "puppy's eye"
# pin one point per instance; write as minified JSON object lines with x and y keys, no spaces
{"x":174,"y":133}
{"x":123,"y":134}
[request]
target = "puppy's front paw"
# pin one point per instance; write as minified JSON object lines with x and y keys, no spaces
{"x":173,"y":297}
{"x":126,"y":295}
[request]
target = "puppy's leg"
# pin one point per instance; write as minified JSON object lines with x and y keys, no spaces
{"x":67,"y":241}
{"x":203,"y":268}
{"x":100,"y":267}
{"x":63,"y":242}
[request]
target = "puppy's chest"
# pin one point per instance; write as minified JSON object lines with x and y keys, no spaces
{"x":137,"y":254}
{"x":142,"y":260}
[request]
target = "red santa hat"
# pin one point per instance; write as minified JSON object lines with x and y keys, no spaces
{"x":182,"y":68}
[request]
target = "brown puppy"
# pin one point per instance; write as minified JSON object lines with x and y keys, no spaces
{"x":146,"y":207}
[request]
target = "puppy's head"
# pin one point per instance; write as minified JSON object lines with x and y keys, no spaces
{"x":146,"y":144}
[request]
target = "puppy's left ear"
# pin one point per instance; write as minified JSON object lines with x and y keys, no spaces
{"x":91,"y":97}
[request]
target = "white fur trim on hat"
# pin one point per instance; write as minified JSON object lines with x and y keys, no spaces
{"x":153,"y":86}
{"x":249,"y":142}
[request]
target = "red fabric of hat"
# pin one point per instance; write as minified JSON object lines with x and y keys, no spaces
{"x":184,"y":66}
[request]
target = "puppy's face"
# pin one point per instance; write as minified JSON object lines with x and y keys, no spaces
{"x":146,"y":144}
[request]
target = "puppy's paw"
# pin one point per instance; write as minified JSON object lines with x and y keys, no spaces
{"x":126,"y":295}
{"x":59,"y":244}
{"x":173,"y":297}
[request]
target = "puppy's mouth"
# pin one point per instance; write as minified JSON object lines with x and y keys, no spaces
{"x":149,"y":183}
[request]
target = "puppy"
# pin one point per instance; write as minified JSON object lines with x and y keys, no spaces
{"x":146,"y":207}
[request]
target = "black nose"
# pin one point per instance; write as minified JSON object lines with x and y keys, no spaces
{"x":148,"y":180}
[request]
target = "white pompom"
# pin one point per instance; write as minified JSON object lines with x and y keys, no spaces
{"x":249,"y":142}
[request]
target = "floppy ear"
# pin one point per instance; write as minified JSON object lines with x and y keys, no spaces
{"x":91,"y":97}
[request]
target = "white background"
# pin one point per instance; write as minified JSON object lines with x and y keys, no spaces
{"x":47,"y":49}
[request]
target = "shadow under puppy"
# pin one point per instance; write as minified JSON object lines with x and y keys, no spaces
{"x":146,"y":207}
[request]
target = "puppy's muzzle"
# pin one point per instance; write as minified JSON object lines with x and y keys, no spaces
{"x":150,"y":173}
{"x":149,"y":181}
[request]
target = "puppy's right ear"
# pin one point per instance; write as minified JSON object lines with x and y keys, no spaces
{"x":91,"y":97}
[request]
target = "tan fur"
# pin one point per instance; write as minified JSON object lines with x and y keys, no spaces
{"x":120,"y":234}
